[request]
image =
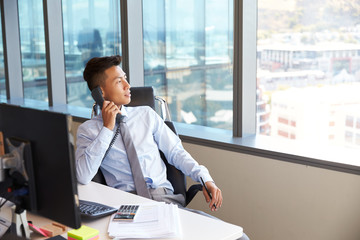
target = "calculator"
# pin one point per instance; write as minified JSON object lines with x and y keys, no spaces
{"x":126,"y":213}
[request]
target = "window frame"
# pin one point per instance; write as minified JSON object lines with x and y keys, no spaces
{"x":242,"y":139}
{"x":12,"y":51}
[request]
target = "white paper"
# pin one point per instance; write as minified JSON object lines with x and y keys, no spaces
{"x":147,"y":213}
{"x":154,"y":220}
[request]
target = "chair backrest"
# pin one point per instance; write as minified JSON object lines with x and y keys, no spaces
{"x":144,"y":96}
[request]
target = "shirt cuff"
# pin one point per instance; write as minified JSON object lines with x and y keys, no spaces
{"x":206,"y":178}
{"x":105,"y":135}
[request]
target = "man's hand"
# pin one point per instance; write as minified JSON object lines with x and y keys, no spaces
{"x":109,"y":112}
{"x":216,"y":196}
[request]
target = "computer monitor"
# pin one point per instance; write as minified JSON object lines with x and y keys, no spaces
{"x":53,"y":160}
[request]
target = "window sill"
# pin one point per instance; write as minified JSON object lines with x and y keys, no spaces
{"x":338,"y":159}
{"x":78,"y":113}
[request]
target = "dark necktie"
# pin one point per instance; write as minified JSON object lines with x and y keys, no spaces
{"x":139,"y":181}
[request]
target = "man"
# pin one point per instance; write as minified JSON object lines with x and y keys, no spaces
{"x":149,"y":134}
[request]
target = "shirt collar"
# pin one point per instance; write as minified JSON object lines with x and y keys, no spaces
{"x":123,"y":111}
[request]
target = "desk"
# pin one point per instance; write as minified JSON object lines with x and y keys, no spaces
{"x":194,"y":226}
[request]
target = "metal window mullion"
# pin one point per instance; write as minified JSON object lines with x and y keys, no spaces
{"x":55,"y":60}
{"x":163,"y":75}
{"x":244,"y":73}
{"x":124,"y":38}
{"x":237,"y":70}
{"x":12,"y":49}
{"x":135,"y":43}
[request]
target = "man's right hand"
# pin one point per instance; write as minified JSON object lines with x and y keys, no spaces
{"x":109,"y":112}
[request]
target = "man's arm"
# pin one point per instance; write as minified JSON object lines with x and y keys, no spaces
{"x":171,"y":146}
{"x":91,"y":145}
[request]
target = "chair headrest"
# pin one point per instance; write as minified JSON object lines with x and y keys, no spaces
{"x":142,"y":96}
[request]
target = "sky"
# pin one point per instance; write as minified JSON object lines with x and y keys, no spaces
{"x":277,"y":4}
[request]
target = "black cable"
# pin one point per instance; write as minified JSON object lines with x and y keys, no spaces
{"x":2,"y":204}
{"x":2,"y":199}
{"x":6,"y":199}
{"x":112,"y":141}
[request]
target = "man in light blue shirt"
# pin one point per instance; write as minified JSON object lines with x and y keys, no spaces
{"x":149,"y":134}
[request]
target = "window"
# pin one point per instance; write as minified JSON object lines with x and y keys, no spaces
{"x":33,"y":57}
{"x":320,"y":41}
{"x":283,"y":120}
{"x":349,"y":137}
{"x":349,"y":121}
{"x":91,"y":29}
{"x":188,"y":58}
{"x":357,"y":139}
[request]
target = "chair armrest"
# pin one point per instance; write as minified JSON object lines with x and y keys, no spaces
{"x":192,"y":191}
{"x":164,"y":109}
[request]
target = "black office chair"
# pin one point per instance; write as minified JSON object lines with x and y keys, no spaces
{"x":144,"y":96}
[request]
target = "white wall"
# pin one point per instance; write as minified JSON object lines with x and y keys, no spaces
{"x":273,"y":199}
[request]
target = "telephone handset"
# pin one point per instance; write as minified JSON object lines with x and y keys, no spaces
{"x":96,"y":93}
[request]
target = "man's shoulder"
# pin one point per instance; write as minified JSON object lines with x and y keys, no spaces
{"x":91,"y":123}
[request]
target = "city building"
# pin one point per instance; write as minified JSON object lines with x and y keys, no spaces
{"x":326,"y":57}
{"x":327,"y":114}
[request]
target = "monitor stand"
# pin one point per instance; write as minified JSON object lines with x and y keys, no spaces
{"x":17,"y":181}
{"x":19,"y":225}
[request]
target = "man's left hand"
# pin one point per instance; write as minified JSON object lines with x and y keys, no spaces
{"x":216,"y":201}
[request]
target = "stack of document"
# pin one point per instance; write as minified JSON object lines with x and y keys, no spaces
{"x":152,"y":220}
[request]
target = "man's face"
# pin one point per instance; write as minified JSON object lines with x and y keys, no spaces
{"x":116,"y":87}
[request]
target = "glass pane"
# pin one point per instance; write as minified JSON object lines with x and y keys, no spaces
{"x":32,"y":38}
{"x":188,"y":58}
{"x":308,"y":75}
{"x":185,"y":32}
{"x":2,"y":70}
{"x":91,"y":29}
{"x":154,"y":35}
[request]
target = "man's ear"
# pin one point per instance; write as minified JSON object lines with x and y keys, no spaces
{"x":102,"y":91}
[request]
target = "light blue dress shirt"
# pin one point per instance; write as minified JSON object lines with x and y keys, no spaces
{"x":149,"y":134}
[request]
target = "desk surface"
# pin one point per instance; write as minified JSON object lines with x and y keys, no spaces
{"x":194,"y":226}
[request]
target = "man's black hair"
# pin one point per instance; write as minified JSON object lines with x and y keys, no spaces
{"x":94,"y":72}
